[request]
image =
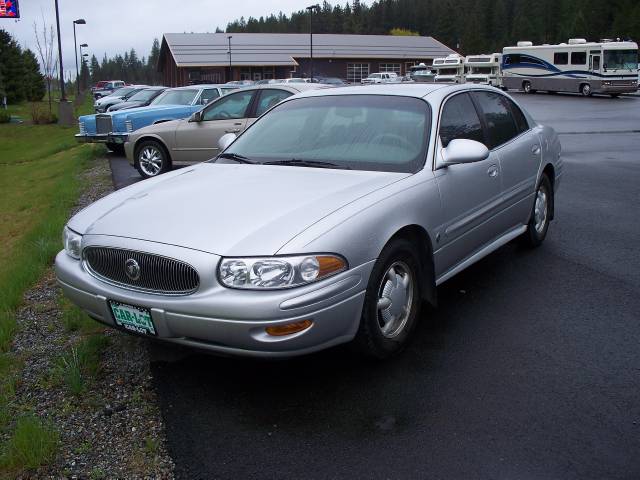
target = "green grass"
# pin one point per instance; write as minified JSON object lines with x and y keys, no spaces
{"x":80,"y":365}
{"x":33,"y":443}
{"x":75,"y":320}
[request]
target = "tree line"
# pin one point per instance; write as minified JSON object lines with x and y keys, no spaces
{"x":128,"y":67}
{"x":468,"y":26}
{"x":20,"y":77}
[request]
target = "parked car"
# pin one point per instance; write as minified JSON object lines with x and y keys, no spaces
{"x":113,"y":128}
{"x":155,"y":149}
{"x":336,"y":82}
{"x":330,"y":219}
{"x":140,"y":99}
{"x":383,"y":77}
{"x":240,"y":83}
{"x":120,"y":95}
{"x":99,"y":85}
{"x":108,"y":88}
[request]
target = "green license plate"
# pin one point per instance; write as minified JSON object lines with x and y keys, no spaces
{"x":134,"y":319}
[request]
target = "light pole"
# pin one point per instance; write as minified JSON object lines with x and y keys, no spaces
{"x":80,"y":21}
{"x":229,"y":52}
{"x":82,"y":61}
{"x":63,"y":97}
{"x":311,"y":8}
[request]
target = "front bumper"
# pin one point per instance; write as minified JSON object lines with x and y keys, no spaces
{"x":223,"y":320}
{"x":102,"y":137}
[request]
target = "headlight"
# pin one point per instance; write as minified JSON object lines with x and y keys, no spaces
{"x":278,"y":272}
{"x":72,"y":243}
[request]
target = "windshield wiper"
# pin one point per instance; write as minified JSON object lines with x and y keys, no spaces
{"x":295,"y":162}
{"x":234,"y":156}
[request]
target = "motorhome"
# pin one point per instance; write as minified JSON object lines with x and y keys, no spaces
{"x":484,"y":69}
{"x":449,"y":69}
{"x":421,"y":73}
{"x":608,"y":66}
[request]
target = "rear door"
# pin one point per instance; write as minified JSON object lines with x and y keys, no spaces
{"x":266,"y":98}
{"x":519,"y":150}
{"x":470,"y":192}
{"x":198,"y":141}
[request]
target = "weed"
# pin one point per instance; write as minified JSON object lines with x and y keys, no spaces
{"x":81,"y":364}
{"x":32,"y":444}
{"x":151,"y":445}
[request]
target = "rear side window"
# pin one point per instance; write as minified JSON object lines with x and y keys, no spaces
{"x":561,"y":58}
{"x":521,"y":120}
{"x":460,"y":120}
{"x":208,"y":95}
{"x":270,"y":98}
{"x":578,"y":58}
{"x":501,"y":126}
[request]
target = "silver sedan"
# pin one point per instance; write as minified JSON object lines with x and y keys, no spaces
{"x":329,"y":220}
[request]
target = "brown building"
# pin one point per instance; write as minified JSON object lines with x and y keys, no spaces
{"x":187,"y":58}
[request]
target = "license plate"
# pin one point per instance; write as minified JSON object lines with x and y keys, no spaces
{"x":132,"y":318}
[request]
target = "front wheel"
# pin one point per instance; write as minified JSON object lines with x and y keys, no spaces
{"x":151,"y":159}
{"x":526,"y":86}
{"x":585,"y":90}
{"x":392,"y":301}
{"x":540,"y":215}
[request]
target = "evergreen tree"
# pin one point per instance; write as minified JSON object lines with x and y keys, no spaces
{"x":12,"y":68}
{"x":34,"y":88}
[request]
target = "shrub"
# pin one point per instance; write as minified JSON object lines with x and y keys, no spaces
{"x":4,"y":116}
{"x":40,"y":114}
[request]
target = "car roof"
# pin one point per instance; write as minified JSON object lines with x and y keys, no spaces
{"x":417,"y":90}
{"x":292,"y":87}
{"x":200,"y":85}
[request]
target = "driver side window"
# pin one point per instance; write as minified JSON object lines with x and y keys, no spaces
{"x":232,"y":106}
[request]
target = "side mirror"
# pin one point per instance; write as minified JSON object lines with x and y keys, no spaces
{"x":196,"y":117}
{"x":462,"y":150}
{"x":226,"y":140}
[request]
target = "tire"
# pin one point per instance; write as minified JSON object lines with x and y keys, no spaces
{"x":116,"y":148}
{"x":541,"y":212}
{"x":151,"y":159}
{"x":385,"y":330}
{"x":585,"y":90}
{"x":526,"y":86}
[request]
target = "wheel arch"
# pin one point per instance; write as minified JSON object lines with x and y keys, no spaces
{"x":151,"y":137}
{"x":550,"y":172}
{"x":419,"y":237}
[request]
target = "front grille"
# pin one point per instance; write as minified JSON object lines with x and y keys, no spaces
{"x":103,"y":123}
{"x":156,"y":274}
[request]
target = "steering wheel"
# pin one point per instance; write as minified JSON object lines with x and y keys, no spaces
{"x":395,"y":140}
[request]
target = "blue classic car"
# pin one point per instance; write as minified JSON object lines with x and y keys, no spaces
{"x":113,"y":128}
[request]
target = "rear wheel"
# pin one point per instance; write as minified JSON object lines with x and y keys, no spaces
{"x":540,"y":215}
{"x":392,"y":301}
{"x":585,"y":90}
{"x":151,"y":159}
{"x":116,"y":148}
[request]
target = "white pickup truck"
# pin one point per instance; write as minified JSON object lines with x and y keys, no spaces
{"x":382,"y":77}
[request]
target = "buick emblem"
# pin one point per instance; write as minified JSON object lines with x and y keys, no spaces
{"x":132,"y":269}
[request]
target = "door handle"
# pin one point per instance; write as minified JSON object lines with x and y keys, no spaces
{"x":493,"y":171}
{"x":535,"y":149}
{"x":232,"y":130}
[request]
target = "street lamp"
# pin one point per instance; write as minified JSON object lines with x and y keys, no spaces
{"x":80,"y":21}
{"x":229,"y":52}
{"x":311,"y":9}
{"x":62,"y":95}
{"x":82,"y":55}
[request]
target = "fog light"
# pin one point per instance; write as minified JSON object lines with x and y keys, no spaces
{"x":288,"y":328}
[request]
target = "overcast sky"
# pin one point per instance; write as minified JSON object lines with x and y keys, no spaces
{"x":115,"y":27}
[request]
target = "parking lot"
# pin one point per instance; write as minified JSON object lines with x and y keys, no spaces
{"x":529,"y":367}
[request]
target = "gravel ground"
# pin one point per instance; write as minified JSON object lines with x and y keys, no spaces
{"x":114,"y":428}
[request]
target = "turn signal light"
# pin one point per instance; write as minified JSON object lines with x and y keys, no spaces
{"x":329,"y":265}
{"x":288,"y":328}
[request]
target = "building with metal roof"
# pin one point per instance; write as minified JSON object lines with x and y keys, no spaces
{"x":206,"y":57}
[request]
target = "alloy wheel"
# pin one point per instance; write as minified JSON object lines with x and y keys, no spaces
{"x":150,"y":159}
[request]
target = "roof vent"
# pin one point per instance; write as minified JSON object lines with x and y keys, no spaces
{"x":577,"y":41}
{"x":525,"y":44}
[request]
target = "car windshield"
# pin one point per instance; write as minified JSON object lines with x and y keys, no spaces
{"x":360,"y":132}
{"x":621,"y":59}
{"x":176,"y":97}
{"x":143,"y":95}
{"x":120,"y":92}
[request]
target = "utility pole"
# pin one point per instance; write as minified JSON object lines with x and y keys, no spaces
{"x":311,"y":8}
{"x":230,"y":71}
{"x":63,"y":97}
{"x":80,"y":21}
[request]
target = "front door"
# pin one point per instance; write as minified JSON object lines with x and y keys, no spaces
{"x":470,"y":192}
{"x":198,"y":141}
{"x":594,"y":63}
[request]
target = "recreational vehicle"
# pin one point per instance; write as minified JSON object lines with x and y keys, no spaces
{"x":608,"y":66}
{"x":449,"y":69}
{"x":484,"y":69}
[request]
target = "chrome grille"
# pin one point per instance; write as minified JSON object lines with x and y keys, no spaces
{"x":103,"y":124}
{"x":157,"y":274}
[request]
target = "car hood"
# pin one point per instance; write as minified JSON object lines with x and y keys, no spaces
{"x":127,"y":105}
{"x":228,"y":209}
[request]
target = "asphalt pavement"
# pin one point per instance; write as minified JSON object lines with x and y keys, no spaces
{"x":528,"y":369}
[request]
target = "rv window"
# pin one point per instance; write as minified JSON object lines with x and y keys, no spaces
{"x":561,"y":58}
{"x":501,"y":126}
{"x":578,"y":58}
{"x":512,"y":58}
{"x":460,"y":120}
